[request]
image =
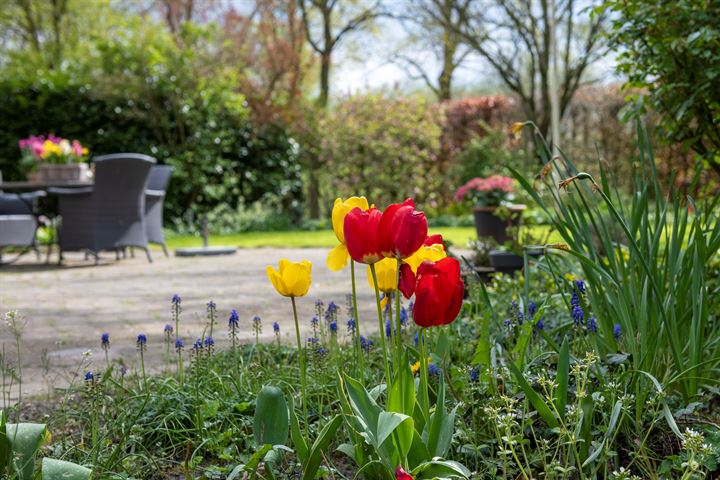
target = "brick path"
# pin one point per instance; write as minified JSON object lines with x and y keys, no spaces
{"x":68,"y":308}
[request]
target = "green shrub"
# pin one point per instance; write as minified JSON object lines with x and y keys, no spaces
{"x":162,"y":96}
{"x":385,"y":148}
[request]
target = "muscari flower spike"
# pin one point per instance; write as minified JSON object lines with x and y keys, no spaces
{"x":403,"y":316}
{"x":580,"y":285}
{"x":365,"y":343}
{"x":532,"y":308}
{"x":578,"y":315}
{"x":211,"y":307}
{"x":592,"y":325}
{"x":474,"y":374}
{"x":574,"y":299}
{"x":433,"y":370}
{"x":616,"y":331}
{"x":105,"y":340}
{"x":351,"y":325}
{"x":333,"y":326}
{"x":209,"y":342}
{"x":141,"y":340}
{"x":314,"y":321}
{"x":388,"y":328}
{"x":176,"y":300}
{"x":198,"y":345}
{"x":234,"y":320}
{"x":168,"y":329}
{"x":276,"y":327}
{"x":89,"y":377}
{"x":179,"y":345}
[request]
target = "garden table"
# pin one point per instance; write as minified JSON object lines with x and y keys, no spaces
{"x":25,"y":186}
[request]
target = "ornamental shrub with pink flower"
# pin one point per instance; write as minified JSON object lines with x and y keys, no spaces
{"x":488,"y":192}
{"x":38,"y":149}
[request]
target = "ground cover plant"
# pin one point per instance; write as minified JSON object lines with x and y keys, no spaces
{"x":599,"y":360}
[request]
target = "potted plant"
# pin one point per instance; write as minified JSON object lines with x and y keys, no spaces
{"x":493,"y":212}
{"x":54,"y":159}
{"x":508,"y":257}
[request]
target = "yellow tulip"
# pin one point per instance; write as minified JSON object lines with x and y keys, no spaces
{"x":338,"y":256}
{"x":432,"y":253}
{"x":386,"y":271}
{"x":293,"y":279}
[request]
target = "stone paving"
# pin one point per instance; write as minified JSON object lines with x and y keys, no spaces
{"x":67,"y":308}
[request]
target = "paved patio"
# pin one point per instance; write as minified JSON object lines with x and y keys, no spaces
{"x":68,"y":308}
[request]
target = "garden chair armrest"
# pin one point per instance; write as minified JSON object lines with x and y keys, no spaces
{"x":70,"y":191}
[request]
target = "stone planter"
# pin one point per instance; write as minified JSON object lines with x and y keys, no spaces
{"x":505,"y":262}
{"x":69,"y":172}
{"x":489,"y":224}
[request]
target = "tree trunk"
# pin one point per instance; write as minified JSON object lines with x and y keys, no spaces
{"x":314,"y":164}
{"x":324,"y":80}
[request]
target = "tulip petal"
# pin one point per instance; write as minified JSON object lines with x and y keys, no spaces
{"x":297,"y":279}
{"x":456,"y":301}
{"x":402,"y":230}
{"x":337,"y":257}
{"x":361,"y":228}
{"x":407,"y":280}
{"x":434,"y":240}
{"x":276,"y":280}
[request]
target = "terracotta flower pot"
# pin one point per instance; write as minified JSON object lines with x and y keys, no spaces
{"x":489,"y":224}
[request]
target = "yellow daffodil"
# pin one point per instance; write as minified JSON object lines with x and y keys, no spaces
{"x":432,"y":253}
{"x":415,"y":367}
{"x":338,"y":256}
{"x":293,"y":279}
{"x":386,"y":271}
{"x":517,"y":127}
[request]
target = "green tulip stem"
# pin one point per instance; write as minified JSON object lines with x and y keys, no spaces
{"x":424,"y":376}
{"x":358,"y":347}
{"x":388,"y":379}
{"x":398,"y":323}
{"x":301,"y":357}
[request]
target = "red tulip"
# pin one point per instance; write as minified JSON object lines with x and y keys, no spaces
{"x":401,"y":474}
{"x":402,"y":230}
{"x":433,"y":240}
{"x":439,"y":293}
{"x":361,"y":234}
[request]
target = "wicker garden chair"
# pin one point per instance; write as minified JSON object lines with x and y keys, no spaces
{"x":154,"y":203}
{"x":110,"y":215}
{"x":18,"y":222}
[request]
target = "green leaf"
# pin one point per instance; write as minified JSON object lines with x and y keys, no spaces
{"x":271,"y":422}
{"x":252,"y":464}
{"x":537,"y":402}
{"x":440,"y":469}
{"x":441,"y":425}
{"x":4,"y":444}
{"x":365,"y":408}
{"x":297,"y":437}
{"x":563,"y":372}
{"x":418,"y":452}
{"x":61,"y":470}
{"x":401,"y":396}
{"x":398,"y":428}
{"x":24,"y":440}
{"x":321,"y":444}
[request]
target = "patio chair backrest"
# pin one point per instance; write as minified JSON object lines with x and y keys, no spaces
{"x":119,"y":195}
{"x":160,"y":177}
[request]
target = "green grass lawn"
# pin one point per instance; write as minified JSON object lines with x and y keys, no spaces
{"x":459,"y":236}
